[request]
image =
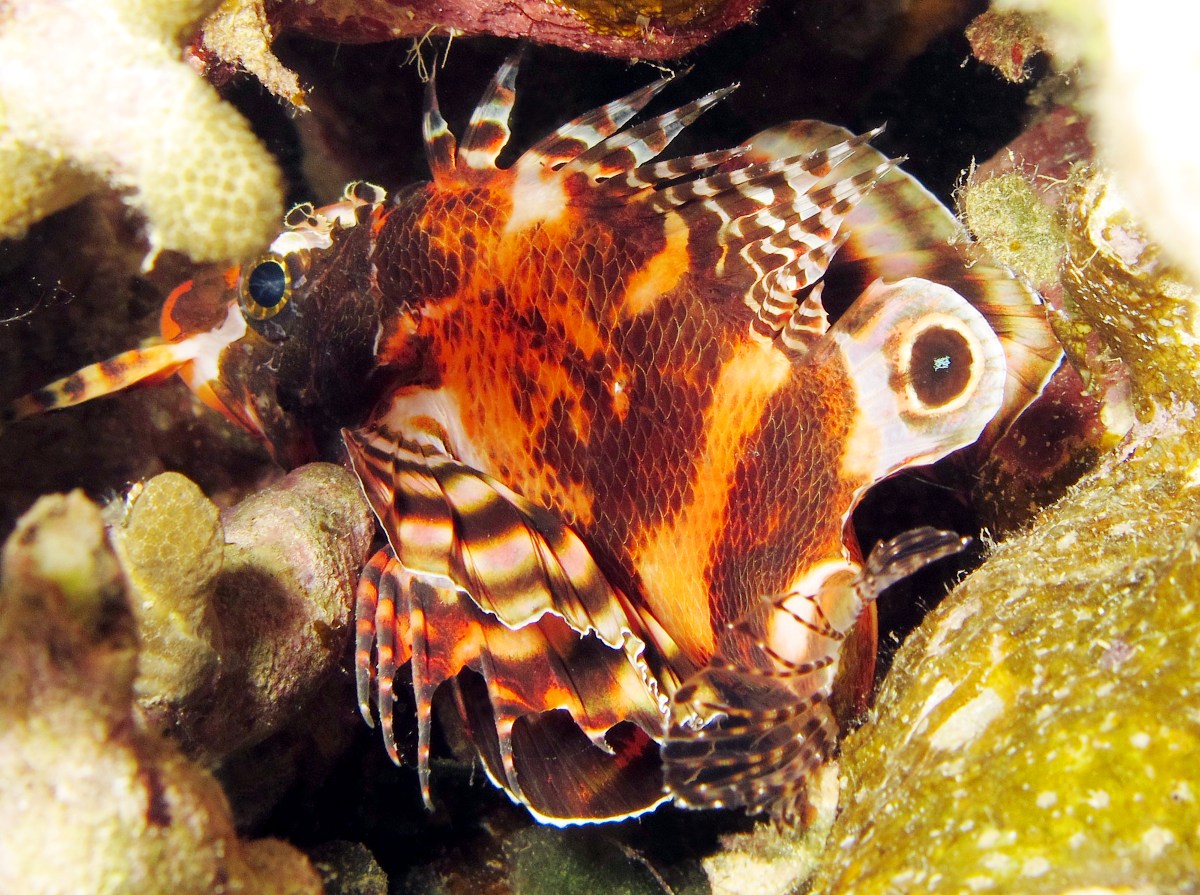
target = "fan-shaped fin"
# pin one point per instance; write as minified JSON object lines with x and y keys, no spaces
{"x":542,"y":667}
{"x":516,"y":559}
{"x":901,"y":230}
{"x":517,"y":599}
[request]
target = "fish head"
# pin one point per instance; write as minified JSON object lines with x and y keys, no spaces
{"x":282,"y":346}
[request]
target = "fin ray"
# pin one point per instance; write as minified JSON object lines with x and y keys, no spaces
{"x":488,"y":130}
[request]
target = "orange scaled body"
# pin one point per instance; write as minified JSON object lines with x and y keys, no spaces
{"x":614,"y":442}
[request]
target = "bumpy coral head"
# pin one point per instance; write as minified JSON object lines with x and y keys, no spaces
{"x":282,"y":346}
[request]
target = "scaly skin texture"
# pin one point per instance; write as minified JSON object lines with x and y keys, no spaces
{"x":92,"y":96}
{"x":1038,"y":733}
{"x":90,"y":800}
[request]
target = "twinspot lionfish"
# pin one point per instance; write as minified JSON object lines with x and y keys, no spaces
{"x":610,"y":433}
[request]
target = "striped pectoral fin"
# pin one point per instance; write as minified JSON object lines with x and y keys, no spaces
{"x":402,"y":617}
{"x":748,"y":729}
{"x":516,"y":559}
{"x":562,"y":722}
{"x":507,"y":590}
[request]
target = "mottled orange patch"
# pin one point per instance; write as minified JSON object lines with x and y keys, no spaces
{"x":673,"y":558}
{"x":661,"y":273}
{"x":509,"y":379}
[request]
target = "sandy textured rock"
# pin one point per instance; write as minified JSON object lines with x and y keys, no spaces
{"x":90,"y":801}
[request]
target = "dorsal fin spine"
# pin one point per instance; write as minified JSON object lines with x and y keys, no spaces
{"x":488,"y":130}
{"x":581,"y":134}
{"x":439,"y":141}
{"x":629,"y":149}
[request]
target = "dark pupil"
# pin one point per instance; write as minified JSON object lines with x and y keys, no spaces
{"x":267,"y":284}
{"x":941,"y":366}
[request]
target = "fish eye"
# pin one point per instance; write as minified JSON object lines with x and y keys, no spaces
{"x":265,"y":290}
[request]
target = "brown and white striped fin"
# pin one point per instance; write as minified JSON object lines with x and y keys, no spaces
{"x":626,"y":150}
{"x":488,"y":130}
{"x":580,"y":134}
{"x":441,"y":149}
{"x":751,"y":726}
{"x":772,"y":227}
{"x":514,"y":558}
{"x":901,"y":230}
{"x":535,"y":644}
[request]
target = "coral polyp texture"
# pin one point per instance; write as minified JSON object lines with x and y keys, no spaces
{"x":98,"y":93}
{"x":244,"y":614}
{"x":90,"y":800}
{"x":634,"y":29}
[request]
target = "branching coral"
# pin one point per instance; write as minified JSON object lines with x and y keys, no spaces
{"x":94,"y":93}
{"x":90,"y":801}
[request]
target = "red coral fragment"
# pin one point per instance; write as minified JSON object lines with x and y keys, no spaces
{"x":664,"y":29}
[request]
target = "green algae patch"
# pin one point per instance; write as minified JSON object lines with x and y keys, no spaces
{"x":1009,"y":218}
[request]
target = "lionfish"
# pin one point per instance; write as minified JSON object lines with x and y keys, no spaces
{"x":613,"y":439}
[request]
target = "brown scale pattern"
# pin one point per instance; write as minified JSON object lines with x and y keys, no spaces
{"x":531,"y":339}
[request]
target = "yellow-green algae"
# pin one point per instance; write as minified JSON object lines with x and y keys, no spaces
{"x":90,"y":800}
{"x":1008,"y":217}
{"x":1040,"y":732}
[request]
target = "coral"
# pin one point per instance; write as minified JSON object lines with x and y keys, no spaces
{"x":1055,"y":690}
{"x":90,"y":801}
{"x":243,"y":616}
{"x":1136,"y":58}
{"x":93,"y":93}
{"x":239,"y":34}
{"x":643,"y":29}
